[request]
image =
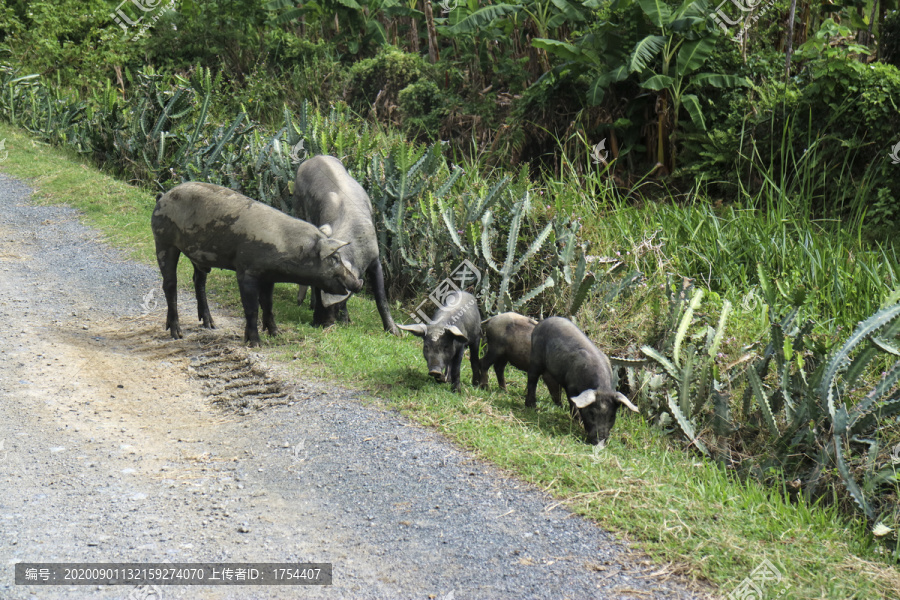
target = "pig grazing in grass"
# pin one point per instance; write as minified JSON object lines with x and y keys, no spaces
{"x":509,"y":342}
{"x":561,"y":350}
{"x":454,"y":326}
{"x":325,"y":193}
{"x":217,"y":227}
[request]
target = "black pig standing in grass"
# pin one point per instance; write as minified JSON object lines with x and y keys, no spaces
{"x":509,"y":341}
{"x":324,"y":192}
{"x":216,"y":227}
{"x":454,"y":326}
{"x":561,"y":350}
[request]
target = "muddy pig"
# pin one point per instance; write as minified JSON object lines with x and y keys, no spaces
{"x":509,"y":341}
{"x":560,"y":349}
{"x":324,"y":193}
{"x":216,"y":227}
{"x":454,"y":326}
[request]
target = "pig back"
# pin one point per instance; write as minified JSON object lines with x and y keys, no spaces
{"x":569,"y":356}
{"x":509,"y":334}
{"x":326,"y":194}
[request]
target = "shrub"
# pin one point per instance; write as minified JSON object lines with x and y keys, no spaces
{"x":421,"y":107}
{"x":374,"y":84}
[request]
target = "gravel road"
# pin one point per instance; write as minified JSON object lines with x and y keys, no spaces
{"x":118,"y":444}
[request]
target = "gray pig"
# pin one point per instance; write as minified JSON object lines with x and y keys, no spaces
{"x":560,"y":349}
{"x":509,"y":341}
{"x":454,"y":326}
{"x":218,"y":227}
{"x":325,"y":193}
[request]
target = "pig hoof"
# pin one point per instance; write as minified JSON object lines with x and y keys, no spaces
{"x":394,"y":331}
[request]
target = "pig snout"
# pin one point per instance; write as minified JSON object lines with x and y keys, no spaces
{"x":598,"y":437}
{"x":439,"y":375}
{"x":353,"y":284}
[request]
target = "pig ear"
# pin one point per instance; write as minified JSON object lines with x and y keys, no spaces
{"x":418,"y":330}
{"x":624,"y":400}
{"x":326,"y":229}
{"x":455,"y":332}
{"x":329,"y":246}
{"x":330,"y":299}
{"x":585,"y":398}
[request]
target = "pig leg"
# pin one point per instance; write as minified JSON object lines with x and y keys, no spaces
{"x":168,"y":266}
{"x":322,"y":317}
{"x":500,"y":370}
{"x":301,"y":294}
{"x":377,"y":277}
{"x":200,"y":291}
{"x":456,"y":368}
{"x":487,"y":361}
{"x":265,"y":301}
{"x":476,"y":364}
{"x":534,"y":373}
{"x":553,"y":388}
{"x":250,"y":287}
{"x":340,"y":311}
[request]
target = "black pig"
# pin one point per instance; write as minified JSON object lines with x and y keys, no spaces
{"x":454,"y":326}
{"x":561,"y":350}
{"x":324,"y":193}
{"x":217,"y":227}
{"x":509,"y":341}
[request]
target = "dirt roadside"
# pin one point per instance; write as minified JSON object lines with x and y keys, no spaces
{"x":118,"y":444}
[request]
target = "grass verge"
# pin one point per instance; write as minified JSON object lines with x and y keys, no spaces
{"x":673,"y":505}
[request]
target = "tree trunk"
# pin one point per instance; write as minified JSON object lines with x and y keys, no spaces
{"x":433,"y":54}
{"x":662,"y":107}
{"x":789,"y":30}
{"x":870,"y":38}
{"x":414,"y":34}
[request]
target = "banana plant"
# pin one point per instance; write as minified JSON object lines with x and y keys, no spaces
{"x":665,"y":61}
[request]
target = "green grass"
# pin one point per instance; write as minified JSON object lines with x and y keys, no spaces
{"x":672,"y":505}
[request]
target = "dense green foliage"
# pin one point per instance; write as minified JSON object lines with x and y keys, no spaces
{"x":532,"y":80}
